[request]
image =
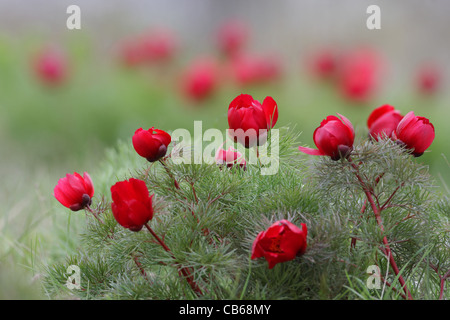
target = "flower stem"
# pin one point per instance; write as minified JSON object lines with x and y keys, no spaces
{"x":169,"y":173}
{"x":95,"y":214}
{"x":376,"y":210}
{"x":181,"y":270}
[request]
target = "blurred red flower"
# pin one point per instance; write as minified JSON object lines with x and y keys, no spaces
{"x":416,"y":133}
{"x":74,"y":191}
{"x":232,"y":37}
{"x":200,"y":79}
{"x":281,"y":242}
{"x":248,"y":69}
{"x":155,"y":47}
{"x":249,"y":120}
{"x":428,"y":79}
{"x":334,"y":137}
{"x":383,"y":121}
{"x":151,"y":144}
{"x":51,"y":66}
{"x":358,"y":75}
{"x":323,"y":64}
{"x":131,"y":204}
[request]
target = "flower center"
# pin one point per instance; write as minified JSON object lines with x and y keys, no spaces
{"x":275,"y":245}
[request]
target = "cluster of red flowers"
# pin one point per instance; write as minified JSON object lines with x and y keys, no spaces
{"x":132,"y":203}
{"x":283,"y":241}
{"x":334,"y":137}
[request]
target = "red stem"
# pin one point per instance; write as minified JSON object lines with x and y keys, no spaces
{"x":376,"y":211}
{"x":442,"y":278}
{"x":94,"y":214}
{"x":181,"y":270}
{"x":169,"y":173}
{"x":141,"y":269}
{"x":363,"y":208}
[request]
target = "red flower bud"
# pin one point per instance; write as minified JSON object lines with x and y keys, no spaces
{"x":151,"y":144}
{"x":74,"y":191}
{"x":383,"y":121}
{"x":250,"y":120}
{"x":132,"y":204}
{"x":230,"y":158}
{"x":334,"y":137}
{"x":415,"y":133}
{"x":281,"y":242}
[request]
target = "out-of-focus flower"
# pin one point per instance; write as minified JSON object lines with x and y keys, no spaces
{"x":201,"y":78}
{"x":334,"y":138}
{"x":323,"y":64}
{"x":249,"y":120}
{"x":428,"y":79}
{"x":131,"y":204}
{"x":250,"y":69}
{"x":281,"y":242}
{"x":358,"y":75}
{"x":415,"y":133}
{"x":51,"y":66}
{"x":74,"y":191}
{"x":383,"y":121}
{"x":158,"y":46}
{"x":151,"y":144}
{"x":155,"y":47}
{"x":232,"y":37}
{"x":230,"y":158}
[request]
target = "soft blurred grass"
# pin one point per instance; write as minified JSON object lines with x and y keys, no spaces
{"x":48,"y":132}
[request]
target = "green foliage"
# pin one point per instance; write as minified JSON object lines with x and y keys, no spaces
{"x":210,"y":222}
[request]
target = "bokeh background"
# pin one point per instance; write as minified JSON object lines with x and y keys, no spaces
{"x":66,"y":96}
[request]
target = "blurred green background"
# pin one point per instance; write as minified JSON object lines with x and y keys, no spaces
{"x":47,"y":130}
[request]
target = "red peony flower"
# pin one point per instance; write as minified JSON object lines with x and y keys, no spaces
{"x":383,"y":121}
{"x":74,"y":191}
{"x":151,"y":144}
{"x":50,"y":66}
{"x":249,"y":120}
{"x":230,"y":158}
{"x":200,"y":79}
{"x":416,"y":133}
{"x":132,"y":204}
{"x":281,"y":242}
{"x":334,"y":137}
{"x":232,"y":37}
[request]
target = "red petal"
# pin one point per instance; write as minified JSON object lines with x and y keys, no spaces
{"x":313,"y":152}
{"x":377,"y":113}
{"x":271,"y":110}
